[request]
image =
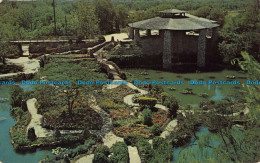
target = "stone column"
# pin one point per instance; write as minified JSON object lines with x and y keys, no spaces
{"x":131,"y":33}
{"x":148,"y":32}
{"x":201,"y":60}
{"x":167,"y":50}
{"x":137,"y":35}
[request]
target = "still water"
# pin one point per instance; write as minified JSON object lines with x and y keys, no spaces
{"x":214,"y":92}
{"x":7,"y":153}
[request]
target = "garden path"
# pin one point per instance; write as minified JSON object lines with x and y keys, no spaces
{"x":106,"y":132}
{"x":169,"y":128}
{"x":36,"y":122}
{"x":30,"y":66}
{"x":117,"y":36}
{"x":86,"y":159}
{"x":133,"y":155}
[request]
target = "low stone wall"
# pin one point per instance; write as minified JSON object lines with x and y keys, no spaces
{"x":92,"y":50}
{"x":118,"y":70}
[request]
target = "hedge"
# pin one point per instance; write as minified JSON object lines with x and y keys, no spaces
{"x":146,"y":101}
{"x":137,"y":61}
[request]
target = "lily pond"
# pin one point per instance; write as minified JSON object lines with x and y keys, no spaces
{"x":193,"y":94}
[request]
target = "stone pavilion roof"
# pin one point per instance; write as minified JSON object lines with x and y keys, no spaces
{"x":174,"y":19}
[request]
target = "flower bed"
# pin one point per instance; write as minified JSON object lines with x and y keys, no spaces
{"x":160,"y":117}
{"x":120,"y":113}
{"x":82,"y":119}
{"x":119,"y":93}
{"x":137,"y":130}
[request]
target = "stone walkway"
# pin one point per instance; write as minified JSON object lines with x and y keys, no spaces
{"x":86,"y":159}
{"x":25,"y":49}
{"x":36,"y":120}
{"x":30,"y":66}
{"x":169,"y":128}
{"x":133,"y":155}
{"x":117,"y":36}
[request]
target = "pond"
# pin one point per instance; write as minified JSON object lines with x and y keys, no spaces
{"x":7,"y":153}
{"x":214,"y":92}
{"x":196,"y":152}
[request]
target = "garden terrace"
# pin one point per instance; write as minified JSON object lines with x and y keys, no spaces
{"x":10,"y":68}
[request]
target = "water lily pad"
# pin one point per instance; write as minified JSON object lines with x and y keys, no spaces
{"x":230,"y":77}
{"x":172,"y":88}
{"x":2,"y":119}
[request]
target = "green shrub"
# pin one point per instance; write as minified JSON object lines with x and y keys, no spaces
{"x":162,"y":151}
{"x":157,"y":129}
{"x":145,"y":149}
{"x":119,"y":153}
{"x":20,"y":138}
{"x":100,"y":158}
{"x":157,"y":141}
{"x":17,"y":94}
{"x":146,"y":101}
{"x":132,"y":139}
{"x":17,"y":112}
{"x":172,"y":103}
{"x":147,"y":117}
{"x":156,"y":89}
{"x":103,"y":149}
{"x":164,"y":95}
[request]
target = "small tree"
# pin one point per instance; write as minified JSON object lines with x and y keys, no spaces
{"x":172,"y":103}
{"x":147,"y":117}
{"x":157,"y":129}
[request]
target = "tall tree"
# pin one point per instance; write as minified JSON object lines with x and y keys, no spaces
{"x":106,"y":14}
{"x":121,"y":17}
{"x":84,"y":20}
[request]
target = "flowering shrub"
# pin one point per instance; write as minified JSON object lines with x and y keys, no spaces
{"x":82,"y":119}
{"x":137,"y":130}
{"x":109,"y":104}
{"x":146,"y":101}
{"x":120,"y":113}
{"x":160,"y":118}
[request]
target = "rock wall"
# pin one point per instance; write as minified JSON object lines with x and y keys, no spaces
{"x":152,"y":45}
